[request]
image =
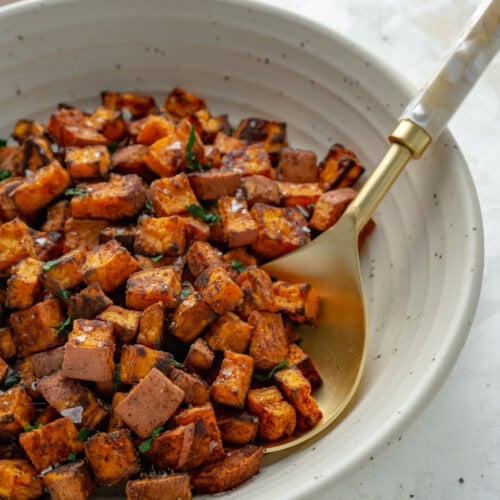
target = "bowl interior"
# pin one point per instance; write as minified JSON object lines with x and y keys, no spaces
{"x":422,"y":266}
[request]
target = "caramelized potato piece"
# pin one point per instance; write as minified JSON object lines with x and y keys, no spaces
{"x":180,"y":103}
{"x":16,"y":411}
{"x":340,"y":168}
{"x":273,"y":134}
{"x":137,"y":104}
{"x":24,"y":284}
{"x":297,"y":166}
{"x":20,"y":480}
{"x":71,"y":480}
{"x":16,"y":243}
{"x":137,"y":361}
{"x":88,"y":163}
{"x":172,"y":486}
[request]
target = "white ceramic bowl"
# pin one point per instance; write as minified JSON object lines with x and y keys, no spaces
{"x":422,"y":266}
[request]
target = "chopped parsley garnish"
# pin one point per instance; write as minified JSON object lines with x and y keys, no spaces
{"x":156,"y":258}
{"x":77,"y":192}
{"x":192,"y":163}
{"x":72,"y":457}
{"x":311,"y":206}
{"x":3,"y":143}
{"x":84,"y":434}
{"x":62,"y":328}
{"x":146,"y":444}
{"x":33,"y":427}
{"x":185,"y":293}
{"x":112,"y":146}
{"x":12,"y":380}
{"x":116,"y":376}
{"x":51,"y":263}
{"x":238,"y":265}
{"x":280,"y":366}
{"x":178,"y":364}
{"x":64,"y":294}
{"x":4,"y":174}
{"x":201,"y":213}
{"x":149,"y":205}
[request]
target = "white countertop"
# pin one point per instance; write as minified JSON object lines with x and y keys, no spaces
{"x":452,"y":450}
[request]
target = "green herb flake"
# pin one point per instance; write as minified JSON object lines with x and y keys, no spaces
{"x":33,"y":427}
{"x":238,"y":265}
{"x":84,"y":434}
{"x":311,"y":206}
{"x":149,"y":205}
{"x":178,"y":364}
{"x":112,"y":146}
{"x":156,"y":258}
{"x":72,"y":457}
{"x":51,"y":263}
{"x":192,"y":163}
{"x":62,"y":328}
{"x":64,"y":294}
{"x":201,"y":213}
{"x":11,"y":380}
{"x":4,"y":174}
{"x":146,"y":444}
{"x":185,"y":292}
{"x":266,"y":378}
{"x":116,"y":376}
{"x":3,"y":143}
{"x":77,"y":192}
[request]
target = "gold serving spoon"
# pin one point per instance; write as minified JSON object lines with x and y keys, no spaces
{"x":330,"y":263}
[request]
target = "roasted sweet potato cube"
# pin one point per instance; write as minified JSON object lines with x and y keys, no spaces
{"x":252,"y":160}
{"x":151,"y":327}
{"x":16,"y":411}
{"x":254,"y":130}
{"x":218,"y":289}
{"x":196,"y":230}
{"x":7,"y":344}
{"x":47,"y":362}
{"x":213,"y":184}
{"x":297,"y":390}
{"x":20,"y":480}
{"x":57,"y":214}
{"x":340,"y":168}
{"x":237,"y":427}
{"x":112,"y":456}
{"x":297,"y":357}
{"x":8,"y":209}
{"x":34,"y":153}
{"x":329,"y":207}
{"x":128,"y":160}
{"x":48,"y":245}
{"x":171,"y":195}
{"x":257,"y":290}
{"x":88,"y":163}
{"x":191,"y":316}
{"x":122,"y":196}
{"x":125,"y":235}
{"x":269,"y":342}
{"x":174,"y":486}
{"x":229,"y":332}
{"x":199,"y":357}
{"x":24,"y":284}
{"x":149,"y":286}
{"x":209,"y":126}
{"x":238,"y":466}
{"x":34,"y":328}
{"x":23,"y":129}
{"x":72,"y":399}
{"x":160,"y":236}
{"x":238,"y":224}
{"x":137,"y":361}
{"x":280,"y":230}
{"x":51,"y":443}
{"x":24,"y":368}
{"x":300,"y":301}
{"x":89,"y":302}
{"x":4,"y":370}
{"x":207,"y":445}
{"x":115,"y":422}
{"x":16,"y":243}
{"x":296,"y":165}
{"x":180,"y":103}
{"x":67,"y":481}
{"x":196,"y":390}
{"x":225,"y":143}
{"x":82,"y":232}
{"x":299,"y":194}
{"x":136,"y":104}
{"x":277,"y":417}
{"x":154,"y":128}
{"x":109,"y":123}
{"x":40,"y":188}
{"x":202,"y":255}
{"x":233,"y":380}
{"x":125,"y":322}
{"x":150,"y":403}
{"x":89,"y":351}
{"x":109,"y":265}
{"x":65,"y":272}
{"x":260,"y":189}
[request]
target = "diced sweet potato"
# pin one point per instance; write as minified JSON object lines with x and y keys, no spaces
{"x":72,"y":399}
{"x":109,"y":265}
{"x":57,"y":214}
{"x":277,"y":417}
{"x":209,"y":126}
{"x":23,"y":129}
{"x":149,"y":286}
{"x":151,"y":326}
{"x":196,"y":230}
{"x":260,"y":189}
{"x":171,"y":195}
{"x":297,"y":357}
{"x":191,"y":316}
{"x":257,"y":290}
{"x":88,"y":163}
{"x":226,"y":143}
{"x":237,"y":427}
{"x":125,"y":322}
{"x":89,"y":351}
{"x":196,"y":390}
{"x":150,"y":403}
{"x":137,"y":361}
{"x":252,"y":160}
{"x":24,"y":284}
{"x":112,"y":456}
{"x":297,"y":166}
{"x":34,"y":153}
{"x":229,"y":332}
{"x":128,"y":160}
{"x":65,"y":272}
{"x":8,"y":209}
{"x":173,"y":486}
{"x":160,"y":236}
{"x":82,"y":232}
{"x":137,"y":104}
{"x":269,"y":342}
{"x":125,"y":235}
{"x":154,"y":128}
{"x":329,"y":207}
{"x":254,"y":130}
{"x":293,"y":194}
{"x":52,"y":443}
{"x":109,"y":123}
{"x":201,"y":255}
{"x":48,"y":245}
{"x":40,"y":188}
{"x":233,"y":380}
{"x":20,"y":480}
{"x":115,"y":422}
{"x":4,"y":370}
{"x":47,"y":362}
{"x":238,"y":224}
{"x":280,"y":230}
{"x":16,"y":411}
{"x":238,"y":466}
{"x":213,"y":184}
{"x":34,"y":328}
{"x":69,"y":481}
{"x":300,"y":301}
{"x":16,"y":243}
{"x":89,"y":302}
{"x":180,"y":103}
{"x":297,"y":390}
{"x":120,"y":197}
{"x":7,"y":344}
{"x":199,"y":357}
{"x":340,"y":168}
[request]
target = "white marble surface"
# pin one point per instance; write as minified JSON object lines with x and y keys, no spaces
{"x":452,"y":450}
